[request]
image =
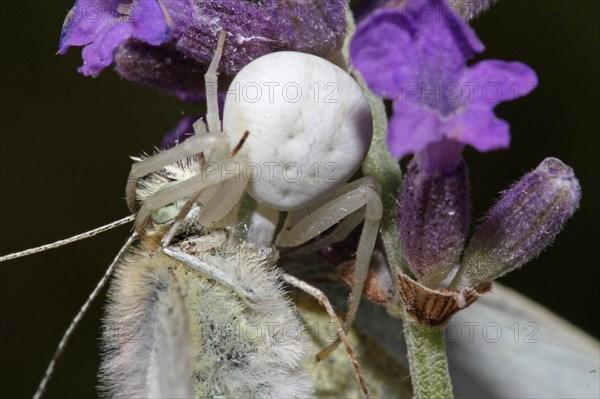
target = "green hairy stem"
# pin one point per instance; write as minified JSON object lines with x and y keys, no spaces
{"x":427,"y":360}
{"x":425,"y":344}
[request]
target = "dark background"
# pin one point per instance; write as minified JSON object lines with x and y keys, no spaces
{"x":64,"y":162}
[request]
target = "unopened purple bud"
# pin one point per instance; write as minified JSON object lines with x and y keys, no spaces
{"x":434,"y":217}
{"x":524,"y":221}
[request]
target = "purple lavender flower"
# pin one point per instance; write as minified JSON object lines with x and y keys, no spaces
{"x":435,"y":212}
{"x":524,"y":221}
{"x":101,"y":26}
{"x":168,"y":44}
{"x":418,"y":58}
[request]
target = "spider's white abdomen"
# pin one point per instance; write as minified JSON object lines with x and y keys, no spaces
{"x":309,"y":127}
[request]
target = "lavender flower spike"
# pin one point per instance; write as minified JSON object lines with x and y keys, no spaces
{"x":434,"y":212}
{"x":524,"y":221}
{"x":168,"y":44}
{"x":418,"y":57}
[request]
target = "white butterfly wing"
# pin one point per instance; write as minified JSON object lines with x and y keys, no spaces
{"x":520,"y":349}
{"x":505,"y":346}
{"x":169,"y":369}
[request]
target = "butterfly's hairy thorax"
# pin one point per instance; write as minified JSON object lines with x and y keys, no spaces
{"x":224,"y":344}
{"x":171,"y":330}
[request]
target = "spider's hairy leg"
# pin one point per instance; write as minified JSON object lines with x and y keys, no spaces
{"x":324,"y":301}
{"x":183,"y":189}
{"x":223,"y":201}
{"x":339,"y":233}
{"x":192,"y":146}
{"x":365,"y":193}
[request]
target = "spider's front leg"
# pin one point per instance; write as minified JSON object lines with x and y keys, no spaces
{"x":365,"y":192}
{"x":226,"y":175}
{"x":214,"y":141}
{"x":194,"y":145}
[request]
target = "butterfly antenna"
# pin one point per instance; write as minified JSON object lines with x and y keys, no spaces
{"x":77,"y":319}
{"x":66,"y":241}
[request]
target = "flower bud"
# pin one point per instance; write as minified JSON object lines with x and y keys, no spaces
{"x":434,"y":218}
{"x":524,"y":221}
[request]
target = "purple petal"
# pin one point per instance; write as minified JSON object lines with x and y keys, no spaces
{"x":99,"y":54}
{"x":415,"y":52}
{"x":83,"y":22}
{"x":419,"y":56}
{"x":152,"y":23}
{"x":492,"y":81}
{"x":383,"y":51}
{"x":445,"y":41}
{"x":411,"y":129}
{"x":103,"y":25}
{"x":479,"y":128}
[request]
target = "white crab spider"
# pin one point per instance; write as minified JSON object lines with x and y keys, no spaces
{"x":171,"y":184}
{"x":205,"y":316}
{"x":310,"y":215}
{"x":300,"y":131}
